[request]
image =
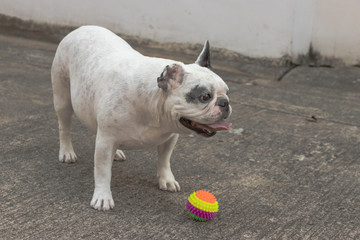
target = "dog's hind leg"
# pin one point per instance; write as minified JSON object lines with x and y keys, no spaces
{"x":119,"y":155}
{"x":63,"y":108}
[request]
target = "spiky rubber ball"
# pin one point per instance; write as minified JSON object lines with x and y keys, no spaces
{"x":202,"y":205}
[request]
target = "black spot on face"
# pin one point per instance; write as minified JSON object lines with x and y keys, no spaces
{"x":199,"y":94}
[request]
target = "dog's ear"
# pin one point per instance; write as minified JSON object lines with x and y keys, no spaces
{"x":171,"y":77}
{"x":204,"y":57}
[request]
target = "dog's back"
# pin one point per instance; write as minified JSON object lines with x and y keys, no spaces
{"x":75,"y":71}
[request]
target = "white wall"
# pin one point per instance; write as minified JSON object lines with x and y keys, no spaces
{"x":336,"y":29}
{"x":255,"y":28}
{"x":301,"y":38}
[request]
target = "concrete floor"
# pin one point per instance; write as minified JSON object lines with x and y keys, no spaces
{"x":278,"y":174}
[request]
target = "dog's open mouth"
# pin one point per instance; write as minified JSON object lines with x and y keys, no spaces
{"x":203,"y":129}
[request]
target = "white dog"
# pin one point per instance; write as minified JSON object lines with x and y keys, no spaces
{"x":132,"y":101}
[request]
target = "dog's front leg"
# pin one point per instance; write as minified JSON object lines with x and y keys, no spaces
{"x":166,"y":178}
{"x":104,"y":155}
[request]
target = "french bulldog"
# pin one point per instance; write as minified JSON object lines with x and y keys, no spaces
{"x":132,"y":101}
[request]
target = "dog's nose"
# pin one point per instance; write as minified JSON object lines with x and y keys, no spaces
{"x":224,"y":103}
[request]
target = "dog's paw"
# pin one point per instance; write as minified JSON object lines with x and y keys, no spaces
{"x":167,"y":182}
{"x":119,"y":155}
{"x":67,"y":156}
{"x":102,"y":200}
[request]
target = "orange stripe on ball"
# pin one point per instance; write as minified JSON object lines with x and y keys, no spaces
{"x":206,"y":196}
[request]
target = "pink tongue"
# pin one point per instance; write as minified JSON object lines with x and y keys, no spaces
{"x":221,"y":125}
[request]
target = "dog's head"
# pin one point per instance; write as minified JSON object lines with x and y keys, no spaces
{"x":196,"y":96}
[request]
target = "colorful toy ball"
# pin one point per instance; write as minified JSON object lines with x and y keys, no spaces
{"x":202,"y":205}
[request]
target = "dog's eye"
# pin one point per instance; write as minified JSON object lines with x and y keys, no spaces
{"x":205,"y":98}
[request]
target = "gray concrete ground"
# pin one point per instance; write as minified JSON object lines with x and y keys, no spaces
{"x":289,"y":168}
